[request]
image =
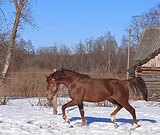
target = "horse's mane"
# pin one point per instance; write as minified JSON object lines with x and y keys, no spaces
{"x":82,"y":76}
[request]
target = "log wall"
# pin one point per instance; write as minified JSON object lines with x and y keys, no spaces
{"x":151,"y":76}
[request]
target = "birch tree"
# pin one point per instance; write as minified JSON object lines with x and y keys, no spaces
{"x":22,"y":14}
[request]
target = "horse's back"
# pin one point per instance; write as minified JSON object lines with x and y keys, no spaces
{"x":97,"y":90}
{"x":101,"y":89}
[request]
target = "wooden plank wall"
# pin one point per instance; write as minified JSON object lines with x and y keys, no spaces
{"x":151,"y":76}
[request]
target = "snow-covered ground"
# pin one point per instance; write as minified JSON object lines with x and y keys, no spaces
{"x":21,"y":117}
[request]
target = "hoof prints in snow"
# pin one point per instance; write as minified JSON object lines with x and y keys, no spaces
{"x":20,"y":118}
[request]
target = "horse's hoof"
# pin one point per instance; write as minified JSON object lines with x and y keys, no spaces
{"x":67,"y":120}
{"x":64,"y":117}
{"x":83,"y":124}
{"x":113,"y":119}
{"x":134,"y":126}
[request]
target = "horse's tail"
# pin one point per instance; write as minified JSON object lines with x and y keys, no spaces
{"x":139,"y":86}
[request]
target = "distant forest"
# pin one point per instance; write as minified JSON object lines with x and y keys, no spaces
{"x":102,"y":54}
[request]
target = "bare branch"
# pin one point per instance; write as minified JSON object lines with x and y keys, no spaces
{"x":20,"y":13}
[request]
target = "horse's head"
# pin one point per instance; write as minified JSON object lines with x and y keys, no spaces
{"x":52,"y":87}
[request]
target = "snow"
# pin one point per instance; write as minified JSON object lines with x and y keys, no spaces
{"x":23,"y":117}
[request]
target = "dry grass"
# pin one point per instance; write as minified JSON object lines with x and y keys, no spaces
{"x":33,"y":84}
{"x":25,"y":84}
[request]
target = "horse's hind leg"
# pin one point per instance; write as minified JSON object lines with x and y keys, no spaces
{"x":129,"y":108}
{"x":81,"y":109}
{"x":113,"y":114}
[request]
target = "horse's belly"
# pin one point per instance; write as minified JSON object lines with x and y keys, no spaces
{"x":97,"y":96}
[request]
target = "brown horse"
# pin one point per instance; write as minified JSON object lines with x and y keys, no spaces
{"x":82,"y":87}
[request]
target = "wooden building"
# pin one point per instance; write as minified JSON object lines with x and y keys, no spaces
{"x":148,"y":62}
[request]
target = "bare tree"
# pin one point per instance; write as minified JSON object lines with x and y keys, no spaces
{"x":141,"y":21}
{"x":22,"y":11}
{"x":110,"y":47}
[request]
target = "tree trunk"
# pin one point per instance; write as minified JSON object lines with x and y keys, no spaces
{"x":12,"y":40}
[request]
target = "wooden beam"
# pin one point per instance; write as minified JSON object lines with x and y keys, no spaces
{"x":55,"y":104}
{"x":140,"y":69}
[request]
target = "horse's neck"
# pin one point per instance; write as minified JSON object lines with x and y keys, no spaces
{"x":69,"y":80}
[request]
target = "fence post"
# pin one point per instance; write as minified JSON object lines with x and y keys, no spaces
{"x":55,"y":104}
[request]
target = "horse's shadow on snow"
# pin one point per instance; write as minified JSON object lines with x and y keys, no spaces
{"x":107,"y":120}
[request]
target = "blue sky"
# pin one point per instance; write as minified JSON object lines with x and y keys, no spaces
{"x":69,"y":21}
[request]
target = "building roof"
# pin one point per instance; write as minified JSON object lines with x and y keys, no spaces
{"x":149,"y":45}
{"x":148,"y":48}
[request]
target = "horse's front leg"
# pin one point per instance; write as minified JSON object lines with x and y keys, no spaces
{"x":81,"y":109}
{"x":69,"y":104}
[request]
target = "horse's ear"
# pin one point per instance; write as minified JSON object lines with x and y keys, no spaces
{"x":61,"y":69}
{"x":46,"y":76}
